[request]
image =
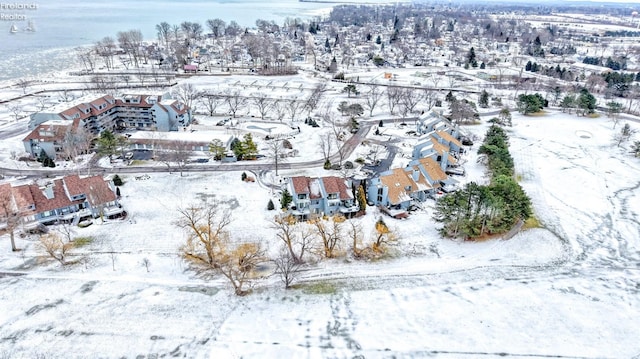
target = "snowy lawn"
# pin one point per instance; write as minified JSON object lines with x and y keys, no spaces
{"x":569,"y":290}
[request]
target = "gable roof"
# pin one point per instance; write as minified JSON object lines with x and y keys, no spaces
{"x":447,"y":137}
{"x":397,"y":182}
{"x":31,"y":198}
{"x":432,"y":170}
{"x":334,"y":184}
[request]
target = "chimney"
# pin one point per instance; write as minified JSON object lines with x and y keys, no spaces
{"x":444,"y":161}
{"x":48,"y":191}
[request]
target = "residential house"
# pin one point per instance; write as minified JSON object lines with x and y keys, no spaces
{"x":68,"y":199}
{"x":321,"y":196}
{"x":400,"y":188}
{"x":49,"y":137}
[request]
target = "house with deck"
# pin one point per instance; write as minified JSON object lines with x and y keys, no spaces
{"x":321,"y":196}
{"x":69,"y":199}
{"x":400,"y":188}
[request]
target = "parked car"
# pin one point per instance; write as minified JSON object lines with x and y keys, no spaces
{"x":458,"y":171}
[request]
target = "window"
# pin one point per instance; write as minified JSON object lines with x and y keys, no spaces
{"x":380,"y":194}
{"x":332,"y":196}
{"x":302,"y":196}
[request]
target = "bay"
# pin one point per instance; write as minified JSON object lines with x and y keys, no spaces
{"x":62,"y":25}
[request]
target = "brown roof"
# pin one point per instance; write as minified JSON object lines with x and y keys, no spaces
{"x":27,"y":196}
{"x":306,"y":185}
{"x":92,"y":106}
{"x":441,"y":149}
{"x":98,"y":191}
{"x":334,"y":184}
{"x":397,"y":183}
{"x":450,"y":139}
{"x":73,"y":185}
{"x":432,"y":169}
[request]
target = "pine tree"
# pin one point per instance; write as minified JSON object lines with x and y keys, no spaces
{"x":270,"y":205}
{"x":286,"y":199}
{"x":243,"y":176}
{"x":484,"y":99}
{"x":118,"y":192}
{"x":117,"y":180}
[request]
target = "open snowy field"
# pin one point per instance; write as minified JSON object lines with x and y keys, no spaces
{"x":568,"y":291}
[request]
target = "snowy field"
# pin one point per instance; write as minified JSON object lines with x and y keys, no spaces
{"x":567,"y":291}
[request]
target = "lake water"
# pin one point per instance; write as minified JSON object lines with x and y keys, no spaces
{"x":64,"y":24}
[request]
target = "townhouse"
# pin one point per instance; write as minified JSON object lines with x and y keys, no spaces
{"x":321,"y":196}
{"x":69,"y":199}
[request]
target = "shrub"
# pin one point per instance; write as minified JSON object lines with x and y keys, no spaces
{"x":327,"y":165}
{"x":243,"y":176}
{"x":117,"y":180}
{"x":286,"y":144}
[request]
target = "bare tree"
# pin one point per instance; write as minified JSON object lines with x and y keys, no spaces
{"x":430,"y":97}
{"x":66,"y":230}
{"x":394,"y":95}
{"x":164,"y":33}
{"x":146,"y":263}
{"x":409,"y":100}
{"x":88,"y":57}
{"x":354,"y":232}
{"x":330,"y":235}
{"x":287,"y":268}
{"x":76,"y":141}
{"x":294,"y":107}
{"x":276,"y":152}
{"x":16,"y":110}
{"x":9,"y":213}
{"x":234,"y":101}
{"x":296,"y":236}
{"x":210,"y":102}
{"x":55,"y":247}
{"x":24,"y":85}
{"x":373,"y":97}
{"x":314,"y":98}
{"x":280,"y":110}
{"x":65,"y":95}
{"x":175,"y":153}
{"x":263,"y":103}
{"x":105,"y":48}
{"x":187,"y":94}
{"x":216,"y":26}
{"x":209,"y":248}
{"x":326,"y":145}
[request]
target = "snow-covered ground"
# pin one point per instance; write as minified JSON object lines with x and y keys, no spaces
{"x":569,"y":290}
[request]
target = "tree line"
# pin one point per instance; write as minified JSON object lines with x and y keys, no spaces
{"x":479,"y":210}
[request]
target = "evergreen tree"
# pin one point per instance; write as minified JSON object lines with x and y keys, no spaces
{"x":237,"y":148}
{"x":117,"y":180}
{"x":270,"y":205}
{"x":216,"y":148}
{"x":586,"y":102}
{"x":378,"y":40}
{"x":286,"y":199}
{"x":484,"y":99}
{"x":118,"y":192}
{"x":243,"y":176}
